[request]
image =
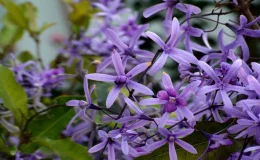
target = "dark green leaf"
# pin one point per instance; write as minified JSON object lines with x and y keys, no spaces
{"x":51,"y":125}
{"x":25,"y":56}
{"x":13,"y":95}
{"x":66,"y":149}
{"x":3,"y":147}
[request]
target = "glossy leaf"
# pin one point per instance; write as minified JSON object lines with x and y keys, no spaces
{"x":13,"y":95}
{"x":25,"y":56}
{"x":67,"y":149}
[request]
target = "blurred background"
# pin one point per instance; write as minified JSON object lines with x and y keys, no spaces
{"x":55,"y":11}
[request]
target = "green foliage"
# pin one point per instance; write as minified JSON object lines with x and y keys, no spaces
{"x":81,"y":14}
{"x":19,"y":18}
{"x":13,"y":95}
{"x":66,"y":149}
{"x":3,"y":147}
{"x":52,"y":124}
{"x":25,"y":56}
{"x":200,"y":143}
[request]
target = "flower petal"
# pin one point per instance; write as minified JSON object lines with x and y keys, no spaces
{"x":172,"y":151}
{"x":140,"y":88}
{"x":154,"y":9}
{"x":186,"y":113}
{"x":113,"y":94}
{"x":232,"y":72}
{"x":97,"y":147}
{"x":175,"y":30}
{"x":112,"y":36}
{"x":166,"y":80}
{"x":137,"y":35}
{"x":137,"y":69}
{"x":103,"y":65}
{"x":111,"y":151}
{"x":156,"y":39}
{"x":226,"y":99}
{"x":253,"y":84}
{"x":73,"y":103}
{"x":152,"y":101}
{"x":157,"y":144}
{"x":101,"y":77}
{"x":186,"y":146}
{"x":158,"y":65}
{"x":125,"y":147}
{"x":209,"y":71}
{"x":185,"y":55}
{"x":131,"y":104}
{"x":117,"y":62}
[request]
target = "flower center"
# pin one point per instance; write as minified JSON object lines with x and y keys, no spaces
{"x":171,"y":138}
{"x":129,"y":52}
{"x":171,"y":3}
{"x":221,"y":85}
{"x":172,"y":99}
{"x":167,"y":50}
{"x":121,"y":80}
{"x":83,"y":104}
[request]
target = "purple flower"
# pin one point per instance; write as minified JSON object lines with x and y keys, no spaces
{"x":253,"y":84}
{"x":242,"y":31}
{"x":169,"y":5}
{"x":121,"y":79}
{"x":170,"y":49}
{"x":106,"y":139}
{"x":80,"y":104}
{"x":172,"y":138}
{"x":222,"y":85}
{"x":171,"y":100}
{"x":126,"y":51}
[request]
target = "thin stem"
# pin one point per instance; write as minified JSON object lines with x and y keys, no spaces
{"x":38,"y":51}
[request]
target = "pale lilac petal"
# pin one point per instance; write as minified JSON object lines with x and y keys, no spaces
{"x":117,"y":62}
{"x":101,"y":77}
{"x":248,"y":102}
{"x":184,"y":133}
{"x":158,"y":65}
{"x":178,"y":58}
{"x":246,"y":132}
{"x":111,"y":152}
{"x":112,"y":36}
{"x":73,"y":103}
{"x":137,"y":35}
{"x":244,"y":47}
{"x":221,"y":40}
{"x":252,"y":148}
{"x":113,"y":94}
{"x":209,"y":71}
{"x":251,"y":33}
{"x":165,"y":132}
{"x":168,"y":15}
{"x":236,"y":128}
{"x":81,"y":112}
{"x":166,"y":80}
{"x":185,"y":7}
{"x":164,"y":119}
{"x":144,"y":54}
{"x":189,"y":89}
{"x":238,"y":89}
{"x":97,"y":147}
{"x":156,"y":39}
{"x":100,"y":6}
{"x":232,"y":72}
{"x":186,"y":113}
{"x":131,"y":104}
{"x":253,"y":84}
{"x":186,"y":146}
{"x":140,"y":88}
{"x":207,"y":89}
{"x":125,"y":147}
{"x":175,"y":30}
{"x":245,"y":122}
{"x":152,"y":101}
{"x":157,"y":144}
{"x":226,"y":99}
{"x":216,"y":116}
{"x":172,"y":151}
{"x":103,"y":65}
{"x":185,"y":55}
{"x":86,"y":90}
{"x":154,"y":9}
{"x":252,"y":116}
{"x":102,"y":134}
{"x":137,"y":69}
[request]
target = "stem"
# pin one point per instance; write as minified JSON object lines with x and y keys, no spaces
{"x":38,"y":51}
{"x":244,"y":147}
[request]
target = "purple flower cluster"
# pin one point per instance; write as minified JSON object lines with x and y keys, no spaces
{"x":219,"y":86}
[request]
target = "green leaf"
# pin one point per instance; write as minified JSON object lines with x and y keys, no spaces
{"x":15,"y":13}
{"x":3,"y":147}
{"x":66,"y":149}
{"x":13,"y":95}
{"x":81,"y":13}
{"x":45,"y":27}
{"x":30,"y":13}
{"x":25,"y":56}
{"x":51,"y":125}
